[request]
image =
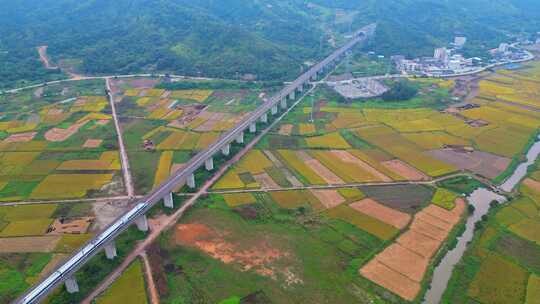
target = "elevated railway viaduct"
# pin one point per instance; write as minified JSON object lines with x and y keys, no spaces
{"x":105,"y":240}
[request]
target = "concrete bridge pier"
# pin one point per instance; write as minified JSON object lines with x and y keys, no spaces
{"x":226,"y":150}
{"x":168,"y":201}
{"x":274,"y":110}
{"x":209,"y":164}
{"x":191,"y":181}
{"x":110,"y":250}
{"x":264,"y":118}
{"x":300,"y":88}
{"x":291,"y":96}
{"x":142,"y":223}
{"x":240,"y":138}
{"x":283,"y":103}
{"x":314,"y":77}
{"x":71,"y":285}
{"x":253,"y":127}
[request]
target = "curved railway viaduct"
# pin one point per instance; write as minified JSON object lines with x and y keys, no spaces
{"x":64,"y":274}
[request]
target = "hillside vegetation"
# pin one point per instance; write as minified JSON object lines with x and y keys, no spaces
{"x":270,"y":39}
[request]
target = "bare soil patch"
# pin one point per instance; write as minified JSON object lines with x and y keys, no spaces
{"x":349,"y":158}
{"x":401,"y":267}
{"x":385,"y":214}
{"x":189,"y":234}
{"x":329,"y":198}
{"x":265,"y":181}
{"x":140,"y":83}
{"x":407,"y":171}
{"x":286,"y":129}
{"x":531,"y":183}
{"x":324,"y":172}
{"x":429,"y":230}
{"x":71,"y":225}
{"x":259,"y":256}
{"x":419,"y":243}
{"x":21,"y":137}
{"x":108,"y":212}
{"x":92,"y":143}
{"x":390,"y":279}
{"x":450,"y":216}
{"x":435,"y":221}
{"x":28,"y":244}
{"x":42,"y":50}
{"x":57,"y":134}
{"x":482,"y":163}
{"x":404,"y":261}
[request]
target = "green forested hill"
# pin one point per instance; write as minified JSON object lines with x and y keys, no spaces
{"x":227,"y":38}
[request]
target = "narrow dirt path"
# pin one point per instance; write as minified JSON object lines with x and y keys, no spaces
{"x":150,"y":283}
{"x":42,"y":50}
{"x":123,"y":154}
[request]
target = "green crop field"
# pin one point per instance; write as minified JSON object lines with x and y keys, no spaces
{"x":128,"y":288}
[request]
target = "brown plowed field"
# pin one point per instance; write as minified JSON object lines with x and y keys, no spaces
{"x":92,"y":143}
{"x":531,"y":183}
{"x":21,"y":137}
{"x":28,"y":244}
{"x":58,"y":134}
{"x":405,"y":170}
{"x":324,"y":172}
{"x":429,"y":230}
{"x":391,"y":280}
{"x":419,"y":243}
{"x":265,"y":181}
{"x":401,"y":266}
{"x":404,"y":261}
{"x":329,"y":198}
{"x":435,"y":221}
{"x":385,"y":214}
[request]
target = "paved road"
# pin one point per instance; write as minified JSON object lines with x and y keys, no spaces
{"x":111,"y":76}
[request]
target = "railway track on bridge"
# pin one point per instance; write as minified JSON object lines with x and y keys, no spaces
{"x":137,"y":215}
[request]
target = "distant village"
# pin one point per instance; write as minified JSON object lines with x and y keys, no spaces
{"x":448,"y":61}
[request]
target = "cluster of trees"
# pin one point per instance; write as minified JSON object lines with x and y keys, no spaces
{"x":400,"y":90}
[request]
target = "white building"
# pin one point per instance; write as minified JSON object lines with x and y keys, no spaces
{"x":441,"y":54}
{"x":503,"y":48}
{"x":460,"y":41}
{"x":454,"y":65}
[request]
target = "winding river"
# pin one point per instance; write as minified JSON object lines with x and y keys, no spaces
{"x":480,"y":199}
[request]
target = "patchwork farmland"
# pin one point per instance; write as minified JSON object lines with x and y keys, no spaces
{"x":63,"y":134}
{"x":319,"y":169}
{"x":340,"y":200}
{"x":165,"y":128}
